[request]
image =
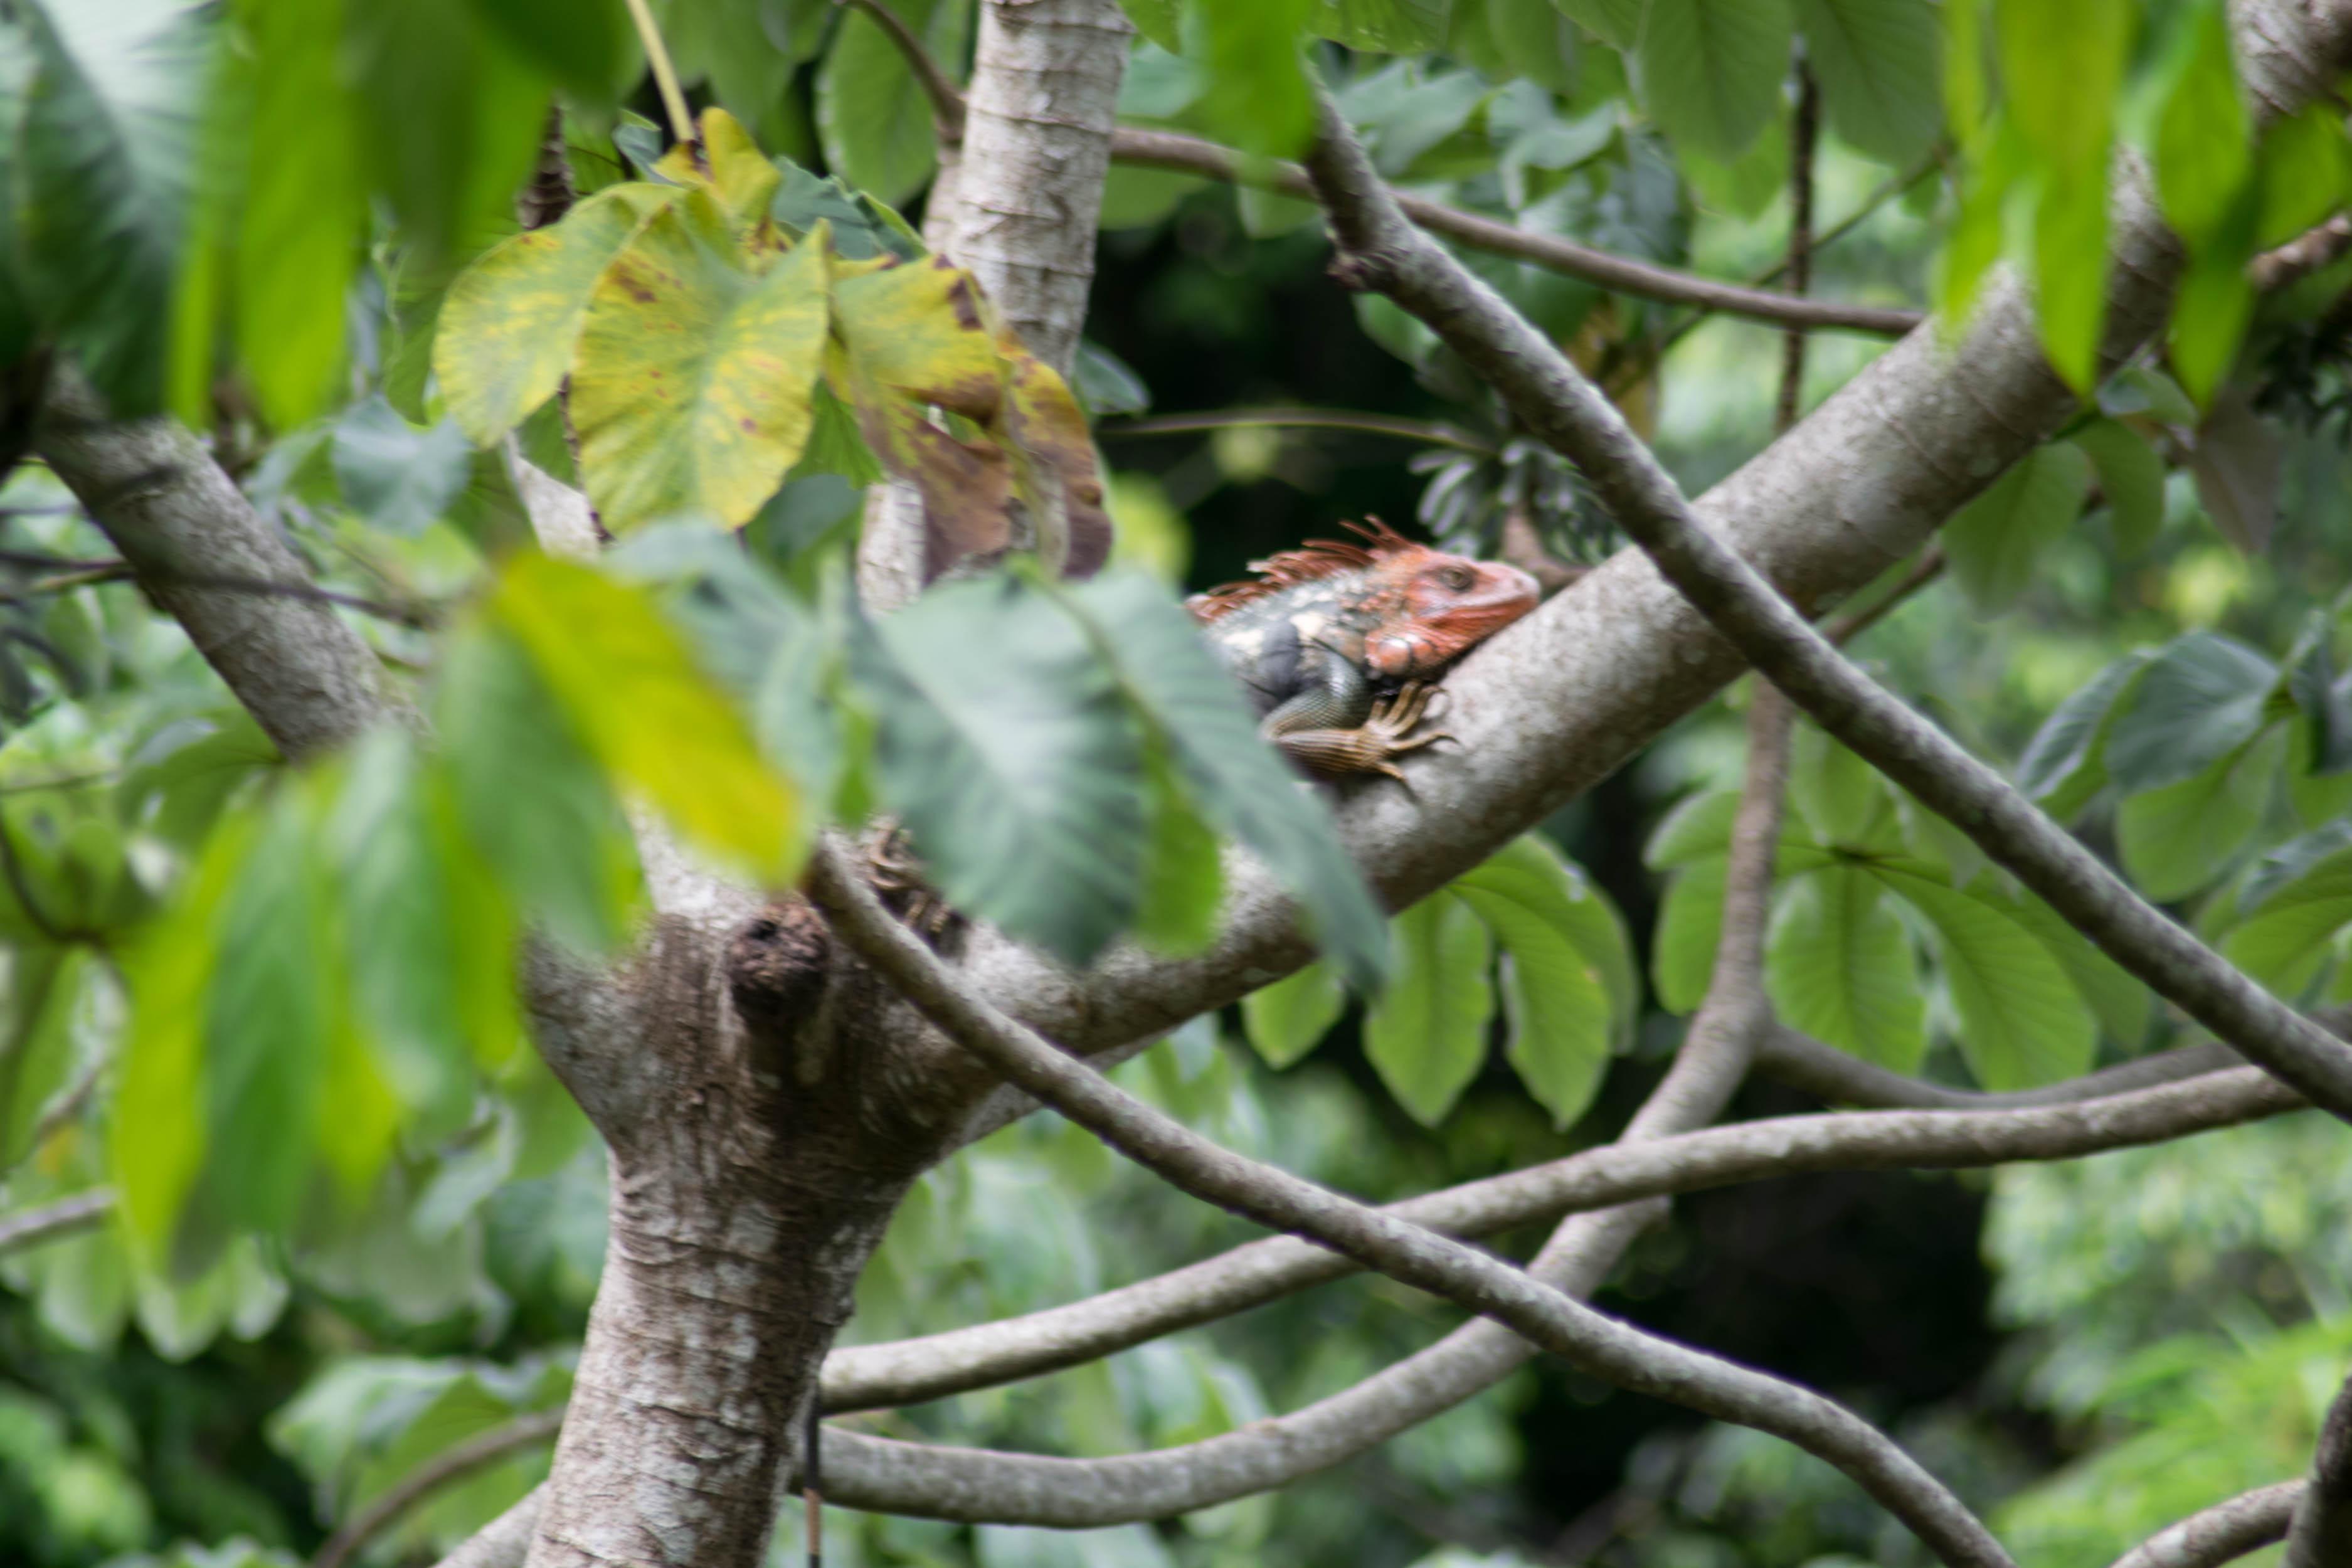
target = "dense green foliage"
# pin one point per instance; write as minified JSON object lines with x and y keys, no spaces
{"x":357,"y":1221}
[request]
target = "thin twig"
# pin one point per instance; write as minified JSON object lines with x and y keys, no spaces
{"x":1802,"y":129}
{"x":452,"y":1464}
{"x":1854,"y":623}
{"x":50,"y":1221}
{"x":1425,"y":431}
{"x":2304,"y":255}
{"x":681,"y":121}
{"x":1597,"y":1344}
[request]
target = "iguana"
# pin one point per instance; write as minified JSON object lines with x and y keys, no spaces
{"x":1337,"y":645}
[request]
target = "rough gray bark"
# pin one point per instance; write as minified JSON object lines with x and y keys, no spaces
{"x":2321,"y":1536}
{"x":2222,"y":1533}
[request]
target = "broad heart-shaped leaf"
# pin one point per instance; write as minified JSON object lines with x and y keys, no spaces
{"x":629,"y":686}
{"x":1996,"y":538}
{"x":2203,"y":697}
{"x":2288,"y":942}
{"x":1570,"y":989}
{"x":511,"y":320}
{"x":398,"y":477}
{"x":1712,"y":69}
{"x":1383,"y":26}
{"x":1002,"y":740}
{"x":1699,"y":829}
{"x":96,"y":164}
{"x":1617,"y":22}
{"x":1840,"y":966}
{"x":2023,"y":1022}
{"x":1880,"y":72}
{"x":1426,"y":1032}
{"x":2122,"y":1005}
{"x":1289,"y":1018}
{"x":2065,"y":764}
{"x":1690,"y":924}
{"x":1236,"y":780}
{"x":2177,"y":838}
{"x":2131,"y":476}
{"x":691,"y":388}
{"x":871,"y":114}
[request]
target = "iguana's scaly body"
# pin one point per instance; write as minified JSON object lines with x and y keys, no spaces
{"x":1337,"y":644}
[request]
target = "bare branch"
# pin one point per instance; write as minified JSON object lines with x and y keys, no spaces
{"x":2223,"y":1532}
{"x":1427,"y":432}
{"x":454,"y":1463}
{"x":2304,"y":255}
{"x":2321,"y":1536}
{"x":1598,"y":1344}
{"x":1802,"y":1062}
{"x":1380,"y":249}
{"x":1804,"y":126}
{"x":50,"y":1221}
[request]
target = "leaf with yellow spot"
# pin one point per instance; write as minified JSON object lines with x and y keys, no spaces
{"x":922,"y":330}
{"x":510,"y":321}
{"x":656,"y":722}
{"x":690,"y":390}
{"x":738,"y":173}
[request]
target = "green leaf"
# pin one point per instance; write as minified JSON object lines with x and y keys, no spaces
{"x":1288,"y":1018}
{"x":1157,"y":20}
{"x":1426,"y":1032}
{"x":2131,"y":477}
{"x":871,"y":114}
{"x":582,"y":47}
{"x":2065,"y":762}
{"x":2177,"y":838}
{"x":100,"y":171}
{"x":1879,"y":64}
{"x":2070,"y":269}
{"x":511,"y":320}
{"x":2325,"y":701}
{"x":1997,"y":539}
{"x":2306,"y":162}
{"x":1843,"y":798}
{"x":2204,"y":151}
{"x":692,"y":392}
{"x":46,"y":988}
{"x":1019,"y":775}
{"x":1617,"y":22}
{"x":1531,"y":37}
{"x":2124,"y":1004}
{"x":1236,"y":780}
{"x":1712,"y":69}
{"x":1381,"y":26}
{"x":1699,"y":829}
{"x":1256,"y":96}
{"x":2023,"y":1022}
{"x":1570,"y":989}
{"x":401,"y":479}
{"x":861,"y":227}
{"x":1840,"y":966}
{"x":2209,"y":313}
{"x":268,"y":1014}
{"x":1998,"y":164}
{"x":1690,"y":924}
{"x":1182,"y":879}
{"x":2287,"y":943}
{"x":2199,"y":699}
{"x":633,"y":692}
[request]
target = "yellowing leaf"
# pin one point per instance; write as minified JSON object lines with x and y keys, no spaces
{"x":738,"y":173}
{"x":510,"y":321}
{"x":629,"y":686}
{"x":691,"y":388}
{"x":1054,"y":461}
{"x":922,"y":330}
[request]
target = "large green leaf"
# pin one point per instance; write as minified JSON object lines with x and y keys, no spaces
{"x":1426,"y":1032}
{"x":1258,"y":95}
{"x":2290,"y":939}
{"x":511,"y":320}
{"x":2202,"y":698}
{"x":2124,"y":1004}
{"x":1383,"y":26}
{"x":1617,"y":22}
{"x":1997,"y":539}
{"x":2204,"y":140}
{"x":1690,"y":924}
{"x":1238,"y":782}
{"x":2065,"y":764}
{"x":1288,"y":1018}
{"x":1712,"y":69}
{"x":691,"y":391}
{"x":1840,"y":966}
{"x":104,"y":124}
{"x":2023,"y":1021}
{"x":2177,"y":838}
{"x":1569,"y":990}
{"x":1183,"y":881}
{"x":1699,"y":829}
{"x":582,"y":47}
{"x":1879,"y":68}
{"x":871,"y":114}
{"x":2131,"y":479}
{"x":1004,"y":742}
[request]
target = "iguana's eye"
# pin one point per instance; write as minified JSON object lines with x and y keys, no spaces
{"x":1458,"y":578}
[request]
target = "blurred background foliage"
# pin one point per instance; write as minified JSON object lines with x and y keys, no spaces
{"x":248,"y":214}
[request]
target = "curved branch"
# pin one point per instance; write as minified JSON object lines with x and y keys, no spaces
{"x":1597,"y":1344}
{"x":452,"y":1464}
{"x":2321,"y":1536}
{"x":2247,"y":1522}
{"x":1827,"y":1073}
{"x":1380,"y":249}
{"x":63,"y":1217}
{"x":1428,"y":432}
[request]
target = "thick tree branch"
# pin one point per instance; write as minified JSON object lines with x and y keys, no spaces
{"x":2222,"y":1533}
{"x":1596,"y":1344}
{"x":306,"y":677}
{"x":2321,"y":1536}
{"x":1380,"y":249}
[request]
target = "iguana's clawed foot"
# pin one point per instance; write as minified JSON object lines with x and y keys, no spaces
{"x":897,"y":877}
{"x":1393,"y":730}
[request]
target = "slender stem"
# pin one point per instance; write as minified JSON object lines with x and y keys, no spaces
{"x":2222,"y":1533}
{"x":1854,"y":623}
{"x":681,"y":121}
{"x":50,"y":1221}
{"x":1428,"y":432}
{"x":1803,"y":131}
{"x":452,"y":1464}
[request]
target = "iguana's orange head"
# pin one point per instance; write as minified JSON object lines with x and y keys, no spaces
{"x":1432,"y":607}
